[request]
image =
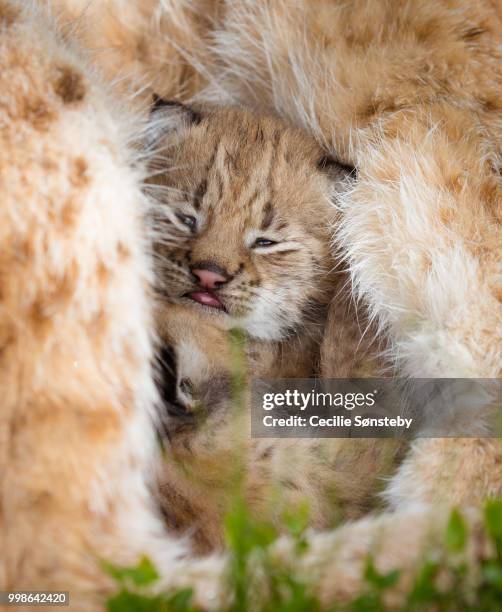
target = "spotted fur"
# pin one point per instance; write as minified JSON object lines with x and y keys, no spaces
{"x":415,"y":85}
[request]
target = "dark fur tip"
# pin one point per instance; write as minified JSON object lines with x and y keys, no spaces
{"x":329,"y":163}
{"x":166,"y":374}
{"x":159,"y":103}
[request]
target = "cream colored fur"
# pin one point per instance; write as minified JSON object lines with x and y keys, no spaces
{"x":77,"y":443}
{"x":416,"y":83}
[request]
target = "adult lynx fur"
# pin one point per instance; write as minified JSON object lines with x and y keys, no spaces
{"x":406,"y":91}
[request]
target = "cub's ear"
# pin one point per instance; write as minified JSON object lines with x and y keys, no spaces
{"x":168,"y":117}
{"x":336,"y":170}
{"x":159,"y":105}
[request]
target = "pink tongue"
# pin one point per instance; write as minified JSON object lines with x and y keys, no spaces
{"x":208,"y":299}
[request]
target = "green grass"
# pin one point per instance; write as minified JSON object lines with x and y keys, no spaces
{"x":257,"y":582}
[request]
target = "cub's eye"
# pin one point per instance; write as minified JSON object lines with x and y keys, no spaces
{"x":263,"y":242}
{"x":187,"y":220}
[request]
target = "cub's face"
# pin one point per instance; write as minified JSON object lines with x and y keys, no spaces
{"x":244,"y":206}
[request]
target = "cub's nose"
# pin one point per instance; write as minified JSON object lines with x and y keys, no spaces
{"x":210,"y":275}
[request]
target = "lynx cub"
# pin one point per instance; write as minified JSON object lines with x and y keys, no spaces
{"x":245,"y":206}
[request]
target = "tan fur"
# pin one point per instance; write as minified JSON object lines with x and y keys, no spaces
{"x":261,"y":179}
{"x":139,"y":45}
{"x":416,"y":83}
{"x":240,"y":178}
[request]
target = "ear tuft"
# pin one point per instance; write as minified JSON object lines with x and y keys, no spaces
{"x":336,"y":168}
{"x":188,"y":113}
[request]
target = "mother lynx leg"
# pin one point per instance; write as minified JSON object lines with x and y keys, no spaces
{"x":77,"y":440}
{"x":422,"y":231}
